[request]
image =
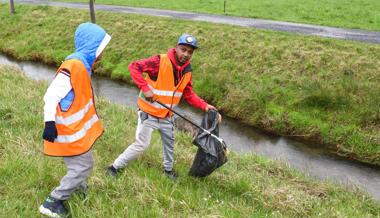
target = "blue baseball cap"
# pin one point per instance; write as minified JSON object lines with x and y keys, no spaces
{"x":187,"y":39}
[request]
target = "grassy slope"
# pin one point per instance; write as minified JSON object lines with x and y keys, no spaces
{"x":362,"y":14}
{"x":320,"y":89}
{"x":248,"y":186}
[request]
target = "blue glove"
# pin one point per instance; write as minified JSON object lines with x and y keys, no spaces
{"x":50,"y":131}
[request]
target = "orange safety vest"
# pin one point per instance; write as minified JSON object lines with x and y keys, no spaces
{"x":163,"y":90}
{"x":78,"y":127}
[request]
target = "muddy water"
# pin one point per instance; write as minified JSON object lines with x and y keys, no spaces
{"x":309,"y":158}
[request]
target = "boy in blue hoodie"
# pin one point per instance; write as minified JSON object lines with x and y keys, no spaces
{"x":71,"y":122}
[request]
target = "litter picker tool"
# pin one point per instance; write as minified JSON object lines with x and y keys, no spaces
{"x":194,"y":124}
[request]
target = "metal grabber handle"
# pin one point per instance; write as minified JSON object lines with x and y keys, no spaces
{"x":194,"y":124}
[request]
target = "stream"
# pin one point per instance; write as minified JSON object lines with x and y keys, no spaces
{"x":312,"y":159}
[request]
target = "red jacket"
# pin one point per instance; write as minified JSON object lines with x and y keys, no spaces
{"x":151,"y":66}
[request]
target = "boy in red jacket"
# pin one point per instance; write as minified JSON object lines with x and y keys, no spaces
{"x":169,"y":77}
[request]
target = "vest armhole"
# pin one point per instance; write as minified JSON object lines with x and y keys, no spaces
{"x":65,"y":71}
{"x":154,"y":78}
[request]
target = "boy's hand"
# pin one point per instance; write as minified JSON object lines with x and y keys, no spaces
{"x":210,"y":107}
{"x":149,"y":96}
{"x":50,"y":131}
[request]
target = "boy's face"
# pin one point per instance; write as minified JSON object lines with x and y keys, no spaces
{"x":183,"y":53}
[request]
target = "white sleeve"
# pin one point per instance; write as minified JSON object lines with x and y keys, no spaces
{"x":57,"y":90}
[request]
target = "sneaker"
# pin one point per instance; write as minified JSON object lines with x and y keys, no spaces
{"x":171,"y":174}
{"x":112,"y":171}
{"x":53,"y":208}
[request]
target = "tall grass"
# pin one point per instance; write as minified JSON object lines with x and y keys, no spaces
{"x":359,"y":14}
{"x":247,"y":186}
{"x":319,"y":89}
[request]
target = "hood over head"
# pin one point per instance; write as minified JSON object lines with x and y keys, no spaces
{"x":90,"y":40}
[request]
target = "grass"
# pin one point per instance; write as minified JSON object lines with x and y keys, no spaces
{"x":323,"y":90}
{"x":358,"y":14}
{"x":247,"y":186}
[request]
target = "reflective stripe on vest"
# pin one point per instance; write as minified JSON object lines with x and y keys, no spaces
{"x":75,"y":117}
{"x":79,"y":126}
{"x":80,"y":134}
{"x":163,"y":90}
{"x":165,"y":93}
{"x":155,"y":104}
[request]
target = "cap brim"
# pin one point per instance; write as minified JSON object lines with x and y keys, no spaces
{"x":195,"y":47}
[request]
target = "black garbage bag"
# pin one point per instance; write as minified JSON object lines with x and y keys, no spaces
{"x":211,"y":152}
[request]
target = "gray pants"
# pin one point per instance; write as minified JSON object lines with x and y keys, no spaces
{"x":78,"y":169}
{"x":146,"y":125}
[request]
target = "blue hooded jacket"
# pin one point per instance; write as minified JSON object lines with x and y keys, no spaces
{"x":88,"y":38}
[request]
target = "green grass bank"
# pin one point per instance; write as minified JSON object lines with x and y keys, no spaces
{"x":358,"y":14}
{"x":322,"y":90}
{"x":248,"y":186}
